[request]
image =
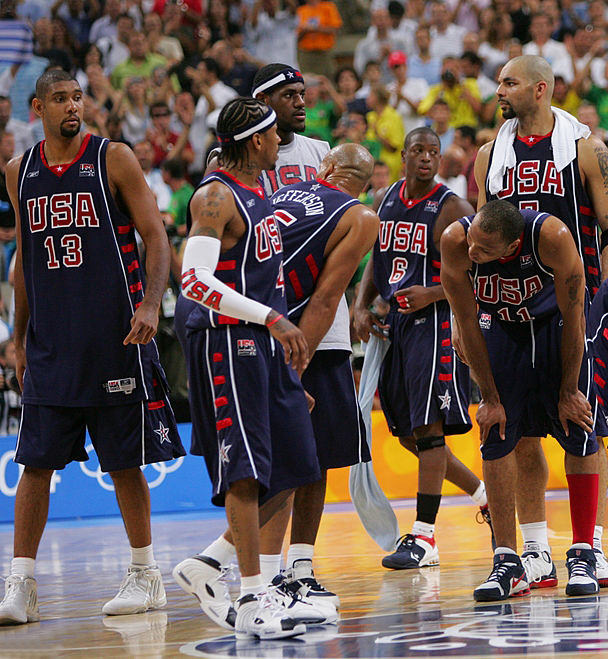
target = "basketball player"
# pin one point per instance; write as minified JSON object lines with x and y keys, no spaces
{"x":423,"y":391}
{"x":248,"y":405}
{"x":578,"y":195}
{"x":83,"y":333}
{"x":524,"y":271}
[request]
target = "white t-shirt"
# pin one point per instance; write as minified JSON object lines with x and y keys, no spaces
{"x":415,"y":89}
{"x":552,"y":51}
{"x":298,"y":161}
{"x":457,"y":184}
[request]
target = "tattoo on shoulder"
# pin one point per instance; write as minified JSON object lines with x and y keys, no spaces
{"x":205,"y":231}
{"x":602,"y":161}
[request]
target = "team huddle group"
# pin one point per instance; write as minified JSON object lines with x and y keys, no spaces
{"x":509,"y":294}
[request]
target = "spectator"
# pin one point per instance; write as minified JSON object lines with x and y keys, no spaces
{"x":372,"y":76}
{"x":379,"y":44}
{"x":10,"y":398}
{"x":169,"y":47}
{"x":63,"y":39}
{"x":134,"y":110}
{"x":92,"y":55}
{"x":378,"y":183}
{"x":140,"y":62}
{"x":144,"y":152}
{"x":98,"y":87}
{"x":94,"y":117}
{"x":587,"y":114}
{"x":446,"y":38}
{"x":386,"y":127}
{"x":33,"y":10}
{"x":595,"y":93}
{"x":15,"y":35}
{"x":208,"y":74}
{"x":167,"y":144}
{"x":353,"y":128}
{"x":77,"y":18}
{"x":174,"y":175}
{"x":238,"y":75}
{"x":422,"y":64}
{"x":318,"y":23}
{"x":218,"y":18}
{"x":461,"y":94}
{"x":441,"y":118}
{"x":273,"y":31}
{"x":191,"y":11}
{"x":114,"y":130}
{"x":581,"y":50}
{"x":347,"y":83}
{"x":466,"y":138}
{"x":7,"y":214}
{"x":542,"y":44}
{"x":406,"y":92}
{"x":116,"y":50}
{"x":20,"y":130}
{"x":596,"y":12}
{"x":106,"y":25}
{"x":564,"y":97}
{"x":494,"y":50}
{"x":470,"y":67}
{"x":320,"y":113}
{"x":199,"y":134}
{"x":402,"y":28}
{"x":451,"y":168}
{"x":44,"y":46}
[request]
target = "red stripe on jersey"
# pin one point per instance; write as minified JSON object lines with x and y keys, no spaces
{"x":446,"y":342}
{"x":295,"y":283}
{"x":312,"y":266}
{"x":137,"y":304}
{"x":231,"y":285}
{"x":135,"y":287}
{"x":436,"y":264}
{"x":446,"y":359}
{"x":124,"y":228}
{"x":227,"y":320}
{"x":133,"y":266}
{"x":445,"y":324}
{"x":585,"y":210}
{"x":221,"y":400}
{"x":436,"y":279}
{"x":226,"y":265}
{"x":156,"y":404}
{"x":592,"y":271}
{"x":445,"y":377}
{"x":128,"y":248}
{"x":598,"y":380}
{"x":600,"y":400}
{"x":590,"y":231}
{"x":218,"y":357}
{"x":223,"y":423}
{"x":589,"y":250}
{"x":600,"y":362}
{"x":219,"y":379}
{"x":605,"y":333}
{"x":594,"y":290}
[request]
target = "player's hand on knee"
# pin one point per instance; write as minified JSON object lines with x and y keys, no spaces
{"x":366,"y":323}
{"x":490,"y":414}
{"x":575,"y":407}
{"x":291,"y":338}
{"x":143,"y":325}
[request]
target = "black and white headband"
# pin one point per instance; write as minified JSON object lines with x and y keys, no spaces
{"x":284,"y":77}
{"x":266,"y":121}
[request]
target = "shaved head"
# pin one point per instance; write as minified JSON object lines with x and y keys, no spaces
{"x":534,"y":69}
{"x":348,"y":160}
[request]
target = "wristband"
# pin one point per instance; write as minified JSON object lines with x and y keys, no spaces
{"x":274,"y":320}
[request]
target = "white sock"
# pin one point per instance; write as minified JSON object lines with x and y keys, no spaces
{"x":422,"y":528}
{"x":142,"y":555}
{"x":270,"y":565}
{"x":504,"y":550}
{"x":479,"y":496}
{"x":535,"y":533}
{"x":251,"y":585}
{"x":581,"y":545}
{"x":23,"y":567}
{"x":597,"y":537}
{"x":298,"y":551}
{"x":220,"y":550}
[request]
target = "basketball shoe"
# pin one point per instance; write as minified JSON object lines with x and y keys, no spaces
{"x":539,"y":567}
{"x":312,"y":610}
{"x":205,"y":578}
{"x":412,"y":551}
{"x":581,"y":572}
{"x":20,"y":603}
{"x":264,"y":616}
{"x":141,"y":590}
{"x":301,"y":579}
{"x":601,"y":565}
{"x":507,"y":579}
{"x":484,"y":517}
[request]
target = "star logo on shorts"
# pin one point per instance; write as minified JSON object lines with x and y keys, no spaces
{"x":224,"y":457}
{"x":163,"y":434}
{"x":446,"y":399}
{"x":290,"y":74}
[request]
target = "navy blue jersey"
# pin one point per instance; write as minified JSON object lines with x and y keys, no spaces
{"x":405,"y":253}
{"x":520,"y":287}
{"x":254,"y":266}
{"x":308,"y":213}
{"x":83,"y":284}
{"x":536,"y":184}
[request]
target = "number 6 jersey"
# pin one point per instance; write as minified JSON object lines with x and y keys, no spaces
{"x":83,"y":282}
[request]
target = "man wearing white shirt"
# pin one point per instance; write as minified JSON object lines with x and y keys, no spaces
{"x":406,"y":92}
{"x":450,"y":171}
{"x":579,"y":54}
{"x":115,"y":50}
{"x":273,"y":30}
{"x":105,"y":26}
{"x":446,"y":38}
{"x":542,"y":44}
{"x":162,"y":192}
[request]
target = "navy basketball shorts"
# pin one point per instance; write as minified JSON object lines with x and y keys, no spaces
{"x":526,"y":364}
{"x":336,"y":418}
{"x":123,"y":436}
{"x":249,"y":413}
{"x":421,"y":380}
{"x":597,"y":343}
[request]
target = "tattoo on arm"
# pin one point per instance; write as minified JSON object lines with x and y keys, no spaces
{"x":602,"y":161}
{"x":205,"y":231}
{"x":573,"y":283}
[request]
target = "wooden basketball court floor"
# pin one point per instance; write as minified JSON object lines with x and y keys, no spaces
{"x":416,"y":613}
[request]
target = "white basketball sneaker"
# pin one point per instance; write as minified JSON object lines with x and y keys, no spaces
{"x":205,"y":578}
{"x":263,"y":616}
{"x":20,"y":603}
{"x":312,"y":610}
{"x":601,"y":566}
{"x":301,"y":579}
{"x":141,"y":590}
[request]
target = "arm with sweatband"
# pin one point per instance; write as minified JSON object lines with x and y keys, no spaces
{"x":200,"y":284}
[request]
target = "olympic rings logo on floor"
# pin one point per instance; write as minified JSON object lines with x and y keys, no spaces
{"x":161,"y":469}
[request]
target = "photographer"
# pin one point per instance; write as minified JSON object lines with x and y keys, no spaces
{"x":461,"y":94}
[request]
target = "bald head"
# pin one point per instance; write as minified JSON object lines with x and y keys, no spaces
{"x":533,"y":69}
{"x":349,"y":161}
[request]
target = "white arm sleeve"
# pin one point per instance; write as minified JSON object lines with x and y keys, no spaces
{"x":200,"y":284}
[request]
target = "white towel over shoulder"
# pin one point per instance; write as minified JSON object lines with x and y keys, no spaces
{"x":566,"y":131}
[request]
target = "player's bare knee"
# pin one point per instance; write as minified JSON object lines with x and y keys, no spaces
{"x":125,"y":474}
{"x":38,"y":474}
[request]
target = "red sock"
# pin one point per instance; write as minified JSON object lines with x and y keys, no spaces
{"x":583,"y":490}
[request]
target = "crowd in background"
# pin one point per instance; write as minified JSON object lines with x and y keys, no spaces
{"x":156,"y":74}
